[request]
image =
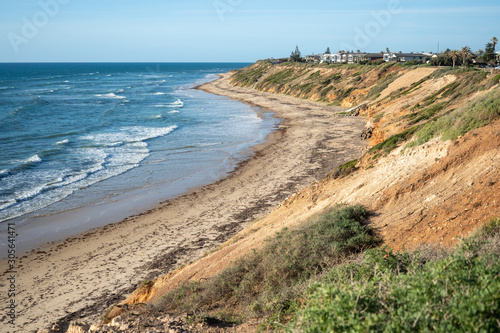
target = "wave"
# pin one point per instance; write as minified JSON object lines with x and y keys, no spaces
{"x":159,"y":93}
{"x":32,"y":160}
{"x":131,"y":134}
{"x":110,"y":96}
{"x":63,"y":142}
{"x":177,"y":104}
{"x":19,"y":165}
{"x":175,"y":111}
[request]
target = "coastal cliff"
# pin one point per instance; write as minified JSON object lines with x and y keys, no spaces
{"x":427,"y":174}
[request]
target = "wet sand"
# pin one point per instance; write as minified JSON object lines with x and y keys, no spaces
{"x":82,"y":275}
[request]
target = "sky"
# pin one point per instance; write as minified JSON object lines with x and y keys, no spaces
{"x":235,"y":30}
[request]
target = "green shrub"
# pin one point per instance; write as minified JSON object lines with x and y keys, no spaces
{"x":402,"y":292}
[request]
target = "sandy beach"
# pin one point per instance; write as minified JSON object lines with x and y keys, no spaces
{"x":83,"y":275}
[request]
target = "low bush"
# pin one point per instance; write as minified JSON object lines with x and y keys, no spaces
{"x":403,"y":292}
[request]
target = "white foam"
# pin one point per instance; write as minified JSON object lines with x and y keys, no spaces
{"x":33,"y":159}
{"x":6,"y":204}
{"x":174,"y":111}
{"x":63,"y":142}
{"x":177,"y":104}
{"x":129,"y":135}
{"x":159,"y":93}
{"x":158,"y":116}
{"x":110,"y":95}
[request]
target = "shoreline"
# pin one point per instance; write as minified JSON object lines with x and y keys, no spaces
{"x":82,"y":275}
{"x":53,"y":225}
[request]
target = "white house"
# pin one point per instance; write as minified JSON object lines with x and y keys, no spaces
{"x":405,"y":57}
{"x":332,"y":58}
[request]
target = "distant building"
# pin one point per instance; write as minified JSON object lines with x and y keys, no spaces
{"x":405,"y":57}
{"x":314,"y":58}
{"x":333,"y":58}
{"x":372,"y":57}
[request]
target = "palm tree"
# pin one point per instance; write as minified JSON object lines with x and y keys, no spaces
{"x":494,"y":41}
{"x":466,"y":54}
{"x":454,"y":55}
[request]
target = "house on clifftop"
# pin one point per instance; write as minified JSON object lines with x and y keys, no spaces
{"x":405,"y":57}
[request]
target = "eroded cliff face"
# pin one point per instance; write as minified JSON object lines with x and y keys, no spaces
{"x":437,"y":192}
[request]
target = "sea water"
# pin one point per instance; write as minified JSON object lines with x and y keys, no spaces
{"x":73,"y":135}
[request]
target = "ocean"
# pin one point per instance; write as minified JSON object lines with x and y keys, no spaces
{"x":74,"y":135}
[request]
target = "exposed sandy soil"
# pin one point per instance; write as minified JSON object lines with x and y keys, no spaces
{"x":81,"y":276}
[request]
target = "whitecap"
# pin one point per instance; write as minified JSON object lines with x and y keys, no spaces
{"x":159,"y":93}
{"x":158,"y":116}
{"x":110,"y":95}
{"x":174,"y":111}
{"x":131,"y":134}
{"x":63,"y":142}
{"x":32,"y":159}
{"x":178,"y":103}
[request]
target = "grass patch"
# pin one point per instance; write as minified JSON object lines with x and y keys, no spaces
{"x":408,"y":292}
{"x":280,"y":77}
{"x":391,"y":143}
{"x":249,"y":76}
{"x":266,"y":280}
{"x":334,"y":77}
{"x":343,"y":170}
{"x":426,"y":113}
{"x":475,"y":114}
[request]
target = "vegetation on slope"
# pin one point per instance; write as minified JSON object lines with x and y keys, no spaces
{"x":269,"y":280}
{"x":410,"y":292}
{"x":325,"y":83}
{"x":316,"y":278}
{"x":475,"y":114}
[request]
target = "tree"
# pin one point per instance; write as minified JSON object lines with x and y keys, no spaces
{"x":328,"y":51}
{"x":466,"y":54}
{"x":387,"y":50}
{"x":489,"y":53}
{"x":494,"y":41}
{"x":296,"y":56}
{"x":454,"y":55}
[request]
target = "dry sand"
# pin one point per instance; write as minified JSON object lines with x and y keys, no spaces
{"x":80,"y":276}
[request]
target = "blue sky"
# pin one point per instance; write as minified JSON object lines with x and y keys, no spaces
{"x":234,"y":30}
